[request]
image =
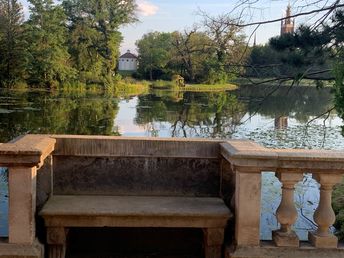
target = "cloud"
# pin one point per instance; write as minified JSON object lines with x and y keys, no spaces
{"x":146,"y":8}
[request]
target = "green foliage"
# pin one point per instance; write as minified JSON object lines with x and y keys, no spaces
{"x":310,"y":50}
{"x":73,"y":43}
{"x":217,"y":113}
{"x":160,"y":84}
{"x":190,"y":53}
{"x":12,"y":43}
{"x":154,"y":51}
{"x":338,"y":207}
{"x":94,"y":38}
{"x":200,"y":56}
{"x":338,"y":72}
{"x":49,"y":60}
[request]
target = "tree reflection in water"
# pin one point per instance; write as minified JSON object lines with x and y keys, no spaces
{"x":55,"y":113}
{"x":190,"y":114}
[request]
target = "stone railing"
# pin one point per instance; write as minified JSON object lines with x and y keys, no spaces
{"x":248,"y":160}
{"x":23,"y":157}
{"x":242,"y":164}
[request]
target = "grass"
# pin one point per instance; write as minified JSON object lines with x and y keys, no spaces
{"x":160,"y":84}
{"x":208,"y":87}
{"x":131,"y":88}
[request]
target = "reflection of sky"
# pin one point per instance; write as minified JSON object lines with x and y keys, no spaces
{"x":3,"y":205}
{"x":258,"y":127}
{"x":125,"y":119}
{"x":261,"y":129}
{"x":125,"y":122}
{"x":306,"y":198}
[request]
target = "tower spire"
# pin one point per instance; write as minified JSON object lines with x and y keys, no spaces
{"x":287,"y":25}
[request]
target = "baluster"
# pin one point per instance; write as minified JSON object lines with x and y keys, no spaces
{"x":324,"y":215}
{"x":286,"y":212}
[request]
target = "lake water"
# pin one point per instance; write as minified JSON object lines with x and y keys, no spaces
{"x":270,"y":116}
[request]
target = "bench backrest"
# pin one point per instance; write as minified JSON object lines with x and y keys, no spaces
{"x":122,"y":166}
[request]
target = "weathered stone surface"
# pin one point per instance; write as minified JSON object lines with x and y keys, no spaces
{"x":35,"y":250}
{"x":44,"y":182}
{"x":227,"y":183}
{"x":135,"y":211}
{"x":282,"y":239}
{"x":214,"y":236}
{"x":213,"y":251}
{"x":22,"y":205}
{"x":136,"y":176}
{"x":268,"y":250}
{"x":29,"y":150}
{"x":327,"y":242}
{"x":247,"y":208}
{"x":248,"y":154}
{"x":110,"y":146}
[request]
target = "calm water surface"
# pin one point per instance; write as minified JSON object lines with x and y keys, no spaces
{"x":277,"y":119}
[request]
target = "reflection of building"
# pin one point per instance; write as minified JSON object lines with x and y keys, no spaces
{"x":127,"y":62}
{"x":281,"y":122}
{"x":287,"y":25}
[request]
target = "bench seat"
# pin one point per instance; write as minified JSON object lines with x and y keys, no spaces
{"x":134,"y":211}
{"x":63,"y":212}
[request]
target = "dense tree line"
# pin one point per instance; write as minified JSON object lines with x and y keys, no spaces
{"x":75,"y":41}
{"x":201,"y":54}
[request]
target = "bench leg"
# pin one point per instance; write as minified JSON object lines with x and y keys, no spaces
{"x":56,"y":238}
{"x":213,"y":242}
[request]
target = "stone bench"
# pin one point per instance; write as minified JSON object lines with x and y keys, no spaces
{"x":62,"y":212}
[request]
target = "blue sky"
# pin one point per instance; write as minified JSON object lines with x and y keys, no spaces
{"x":171,"y":15}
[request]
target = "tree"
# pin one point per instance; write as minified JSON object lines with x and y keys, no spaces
{"x":191,"y":51}
{"x":12,"y":43}
{"x":228,"y":42}
{"x":94,"y":36}
{"x":154,"y":51}
{"x":49,"y":60}
{"x":303,"y":49}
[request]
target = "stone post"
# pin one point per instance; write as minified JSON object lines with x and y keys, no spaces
{"x":324,"y":215}
{"x":286,"y":212}
{"x":247,"y":206}
{"x":213,"y":242}
{"x":22,"y":204}
{"x":23,"y":157}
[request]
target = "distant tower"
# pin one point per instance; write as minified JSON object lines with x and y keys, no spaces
{"x":287,"y":25}
{"x":255,"y":40}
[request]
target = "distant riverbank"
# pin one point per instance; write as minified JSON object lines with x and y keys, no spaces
{"x":281,"y":82}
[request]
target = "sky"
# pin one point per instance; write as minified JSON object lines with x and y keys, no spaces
{"x":172,"y":15}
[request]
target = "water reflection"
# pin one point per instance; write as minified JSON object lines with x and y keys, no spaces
{"x":3,"y":202}
{"x":192,"y":114}
{"x":256,"y":113}
{"x":47,"y":112}
{"x":306,"y":199}
{"x":271,"y":117}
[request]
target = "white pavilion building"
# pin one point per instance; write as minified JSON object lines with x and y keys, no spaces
{"x":128,"y":62}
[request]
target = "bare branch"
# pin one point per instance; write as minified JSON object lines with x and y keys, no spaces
{"x":324,"y":9}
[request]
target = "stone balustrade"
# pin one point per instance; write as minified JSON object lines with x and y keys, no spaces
{"x":248,"y":160}
{"x":241,"y":162}
{"x":23,"y":157}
